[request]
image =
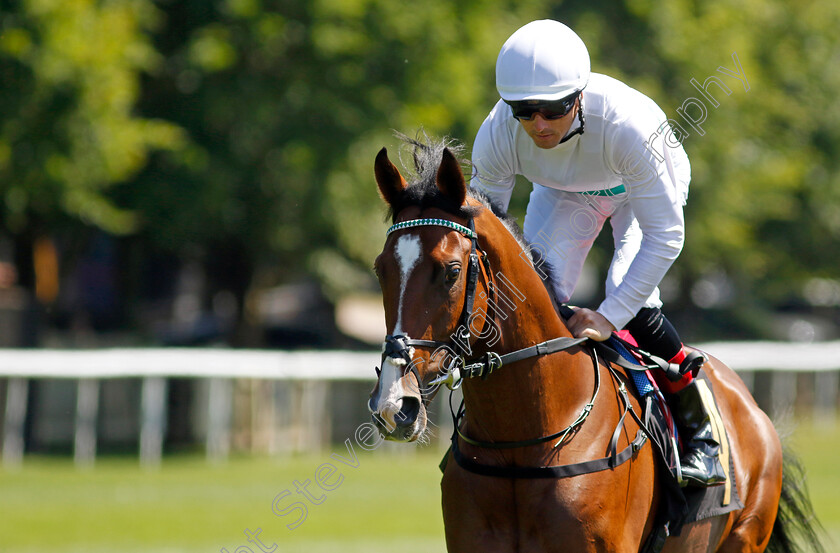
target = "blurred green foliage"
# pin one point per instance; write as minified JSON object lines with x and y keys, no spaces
{"x":252,"y":125}
{"x":288,"y":102}
{"x":69,"y":130}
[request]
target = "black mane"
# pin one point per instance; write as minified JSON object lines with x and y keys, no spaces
{"x":422,"y":191}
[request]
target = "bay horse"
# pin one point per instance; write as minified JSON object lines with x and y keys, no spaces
{"x":456,"y":275}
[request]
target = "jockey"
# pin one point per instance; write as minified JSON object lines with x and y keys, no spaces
{"x":596,"y":149}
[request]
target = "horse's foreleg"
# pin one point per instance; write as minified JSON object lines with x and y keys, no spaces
{"x":474,"y":521}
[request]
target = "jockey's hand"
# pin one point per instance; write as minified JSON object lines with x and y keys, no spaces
{"x":589,"y":324}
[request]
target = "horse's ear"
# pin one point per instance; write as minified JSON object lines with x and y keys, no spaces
{"x":450,"y":179}
{"x":391,"y":182}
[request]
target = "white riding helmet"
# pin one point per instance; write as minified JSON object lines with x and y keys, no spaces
{"x":544,"y":60}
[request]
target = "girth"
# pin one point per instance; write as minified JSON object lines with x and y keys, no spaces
{"x":554,"y":471}
{"x":613,"y":459}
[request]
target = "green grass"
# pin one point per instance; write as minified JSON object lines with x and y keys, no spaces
{"x":189,"y":505}
{"x":390,"y":502}
{"x":818,"y":446}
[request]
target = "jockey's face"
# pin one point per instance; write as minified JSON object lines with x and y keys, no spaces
{"x":547,"y":133}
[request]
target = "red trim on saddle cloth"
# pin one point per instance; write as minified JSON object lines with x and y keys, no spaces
{"x":627,"y":337}
{"x":674,"y":387}
{"x":661,"y":381}
{"x":679,"y":357}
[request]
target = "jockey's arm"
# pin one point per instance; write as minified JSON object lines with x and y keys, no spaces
{"x":494,"y":171}
{"x":656,"y":197}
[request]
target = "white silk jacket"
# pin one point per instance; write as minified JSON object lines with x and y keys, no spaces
{"x":628,"y":155}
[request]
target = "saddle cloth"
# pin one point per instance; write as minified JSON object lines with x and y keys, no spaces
{"x":682,"y":506}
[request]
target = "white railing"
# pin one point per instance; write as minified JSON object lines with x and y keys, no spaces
{"x":220,"y":367}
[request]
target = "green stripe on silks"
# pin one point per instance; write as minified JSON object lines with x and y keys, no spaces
{"x":620,"y":189}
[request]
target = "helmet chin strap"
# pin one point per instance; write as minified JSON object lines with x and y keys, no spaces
{"x":578,"y":130}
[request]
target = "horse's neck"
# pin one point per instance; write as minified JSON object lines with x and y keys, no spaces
{"x":524,"y":311}
{"x":512,"y":403}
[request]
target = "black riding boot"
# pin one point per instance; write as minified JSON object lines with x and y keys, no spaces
{"x":700,"y":463}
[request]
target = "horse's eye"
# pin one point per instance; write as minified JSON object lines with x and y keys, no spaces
{"x":452,"y":274}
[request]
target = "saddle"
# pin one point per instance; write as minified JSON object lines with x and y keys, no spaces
{"x":680,"y":506}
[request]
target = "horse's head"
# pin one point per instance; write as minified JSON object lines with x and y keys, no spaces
{"x":424,"y":271}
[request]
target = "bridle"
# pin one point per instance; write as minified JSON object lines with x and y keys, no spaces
{"x":399,"y":346}
{"x":459,"y":368}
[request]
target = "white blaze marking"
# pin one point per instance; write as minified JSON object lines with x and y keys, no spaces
{"x":391,"y":390}
{"x":408,"y":256}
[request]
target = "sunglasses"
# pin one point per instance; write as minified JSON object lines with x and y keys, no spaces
{"x":526,"y":109}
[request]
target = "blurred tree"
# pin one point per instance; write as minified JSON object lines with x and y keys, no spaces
{"x":763,"y":208}
{"x":68,"y":131}
{"x":243,"y":132}
{"x":287,"y":104}
{"x":70,"y":84}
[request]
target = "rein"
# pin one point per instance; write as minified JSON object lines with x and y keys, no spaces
{"x":400,"y":346}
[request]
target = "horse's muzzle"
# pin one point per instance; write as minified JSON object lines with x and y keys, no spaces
{"x":396,"y":406}
{"x":402,"y":421}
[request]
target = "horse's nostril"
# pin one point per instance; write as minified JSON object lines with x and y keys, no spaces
{"x":409,"y":411}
